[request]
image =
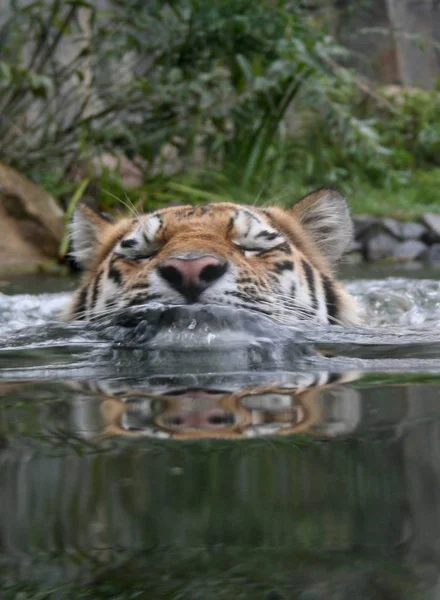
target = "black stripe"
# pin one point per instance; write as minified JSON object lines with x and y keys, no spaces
{"x":285,"y":265}
{"x":268,"y":235}
{"x":263,"y":252}
{"x":331,"y":298}
{"x":284,"y":247}
{"x":310,"y":276}
{"x":141,"y":285}
{"x":281,"y":248}
{"x":333,"y":378}
{"x":115,"y":275}
{"x":95,"y":290}
{"x":80,"y":305}
{"x":129,"y":243}
{"x":143,"y":299}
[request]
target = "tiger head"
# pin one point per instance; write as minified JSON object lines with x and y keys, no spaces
{"x":270,"y":260}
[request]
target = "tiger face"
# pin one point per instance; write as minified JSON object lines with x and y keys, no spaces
{"x":269,"y":260}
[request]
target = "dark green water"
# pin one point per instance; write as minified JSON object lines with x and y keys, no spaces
{"x":215,"y":462}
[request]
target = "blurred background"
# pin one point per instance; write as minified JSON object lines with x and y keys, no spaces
{"x":127,"y":102}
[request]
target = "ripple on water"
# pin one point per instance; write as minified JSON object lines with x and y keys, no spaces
{"x":401,"y":319}
{"x":29,"y":310}
{"x":399,"y":301}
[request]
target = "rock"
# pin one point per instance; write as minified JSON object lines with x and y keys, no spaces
{"x":409,"y":250}
{"x":379,"y":245}
{"x":354,"y":246}
{"x":130,"y":172}
{"x":362,"y":223}
{"x":392,"y":226}
{"x":432,"y":221}
{"x":413,"y":231}
{"x":402,"y":231}
{"x":432,"y":254}
{"x":31,"y":223}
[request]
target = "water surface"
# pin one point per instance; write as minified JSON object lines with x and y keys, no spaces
{"x":207,"y":455}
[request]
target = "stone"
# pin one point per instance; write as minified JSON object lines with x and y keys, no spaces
{"x":354,"y":246}
{"x":130,"y":172}
{"x":362,"y":223}
{"x":432,"y":221}
{"x":31,"y":223}
{"x":432,"y":254}
{"x":379,"y":245}
{"x":413,"y":231}
{"x":392,"y":226}
{"x":409,"y":250}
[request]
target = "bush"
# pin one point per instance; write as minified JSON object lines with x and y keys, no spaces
{"x":213,"y":81}
{"x":215,"y":100}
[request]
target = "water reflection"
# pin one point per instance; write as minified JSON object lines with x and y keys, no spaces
{"x":249,"y":412}
{"x":337,"y":491}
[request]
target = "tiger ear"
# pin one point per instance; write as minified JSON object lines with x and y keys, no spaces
{"x":325,"y":216}
{"x":86,"y":230}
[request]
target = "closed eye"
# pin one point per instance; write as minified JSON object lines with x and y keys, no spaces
{"x":244,"y":249}
{"x":255,"y":251}
{"x":140,"y":257}
{"x":137,"y":256}
{"x":131,"y":249}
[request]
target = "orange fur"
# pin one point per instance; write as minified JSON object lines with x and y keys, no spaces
{"x":227,"y":232}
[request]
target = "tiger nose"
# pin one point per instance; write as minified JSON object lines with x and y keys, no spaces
{"x":190,"y":276}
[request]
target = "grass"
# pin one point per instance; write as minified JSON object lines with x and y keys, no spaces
{"x":405,"y":201}
{"x":409,"y":201}
{"x":405,"y":196}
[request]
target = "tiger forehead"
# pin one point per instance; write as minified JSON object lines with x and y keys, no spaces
{"x":222,"y":218}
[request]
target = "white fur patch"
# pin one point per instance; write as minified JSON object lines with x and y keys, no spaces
{"x":253,"y":234}
{"x":150,"y":226}
{"x":140,"y":242}
{"x":109,"y":291}
{"x":321,"y":310}
{"x":83,"y":234}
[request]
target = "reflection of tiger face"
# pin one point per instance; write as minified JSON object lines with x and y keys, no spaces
{"x":270,"y":260}
{"x":317,"y":405}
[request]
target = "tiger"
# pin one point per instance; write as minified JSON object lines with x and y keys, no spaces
{"x":271,"y":260}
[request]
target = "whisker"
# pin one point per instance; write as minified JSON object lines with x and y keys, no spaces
{"x":130,"y":207}
{"x":294,"y":302}
{"x":96,"y":314}
{"x":293,"y":310}
{"x":130,"y":202}
{"x":262,"y":305}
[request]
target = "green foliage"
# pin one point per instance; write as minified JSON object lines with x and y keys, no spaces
{"x":236,"y":99}
{"x":412,"y":131}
